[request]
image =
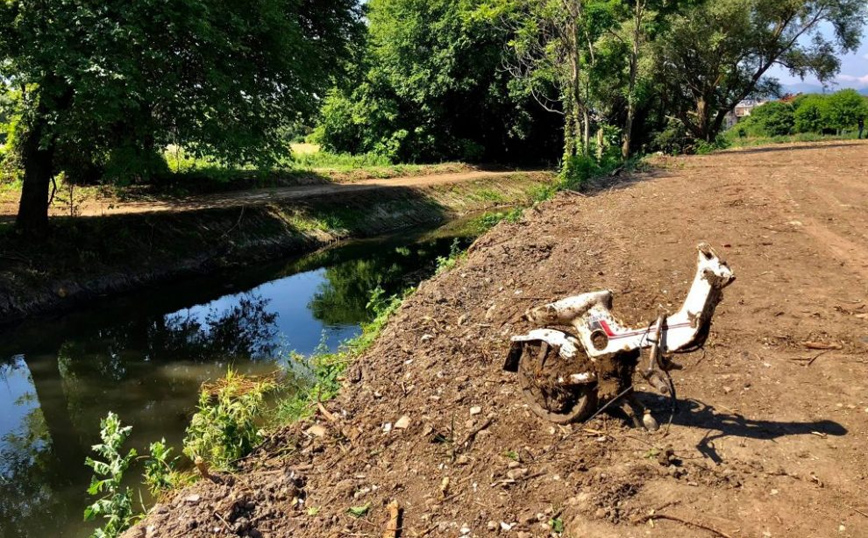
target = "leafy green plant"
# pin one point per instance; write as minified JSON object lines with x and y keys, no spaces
{"x":161,"y":474}
{"x":445,"y":263}
{"x":326,"y":368}
{"x":115,"y":503}
{"x":225,"y":428}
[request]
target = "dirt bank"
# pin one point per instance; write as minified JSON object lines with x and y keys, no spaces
{"x":89,"y":257}
{"x":769,"y":437}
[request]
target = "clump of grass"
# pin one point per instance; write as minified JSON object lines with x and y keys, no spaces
{"x":225,"y":428}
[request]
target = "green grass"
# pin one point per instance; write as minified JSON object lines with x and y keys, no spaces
{"x":734,"y":141}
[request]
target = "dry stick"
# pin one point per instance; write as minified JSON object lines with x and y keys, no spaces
{"x":325,"y":412}
{"x":228,"y":528}
{"x":856,"y":510}
{"x":810,"y":362}
{"x":393,"y":527}
{"x":472,"y":435}
{"x":689,"y":523}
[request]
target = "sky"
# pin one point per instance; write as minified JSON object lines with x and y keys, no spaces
{"x":854,"y":70}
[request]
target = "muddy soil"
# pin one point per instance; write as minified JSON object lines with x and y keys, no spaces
{"x":769,"y":437}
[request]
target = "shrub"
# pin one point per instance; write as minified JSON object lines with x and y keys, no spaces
{"x":771,"y":119}
{"x":224,"y":429}
{"x":810,"y":113}
{"x":576,"y":170}
{"x":115,"y":505}
{"x":161,"y":474}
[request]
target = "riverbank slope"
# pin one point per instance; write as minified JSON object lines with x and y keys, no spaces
{"x":90,"y":257}
{"x":769,"y":436}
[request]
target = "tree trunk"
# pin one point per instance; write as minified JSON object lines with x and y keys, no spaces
{"x":631,"y":89}
{"x":38,"y":160}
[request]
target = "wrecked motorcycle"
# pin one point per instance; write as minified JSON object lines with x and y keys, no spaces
{"x":563,"y":376}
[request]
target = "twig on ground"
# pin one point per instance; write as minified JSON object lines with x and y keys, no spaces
{"x":468,"y":439}
{"x":688,"y":523}
{"x":810,"y":362}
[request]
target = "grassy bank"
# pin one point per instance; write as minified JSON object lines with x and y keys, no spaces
{"x":90,"y":257}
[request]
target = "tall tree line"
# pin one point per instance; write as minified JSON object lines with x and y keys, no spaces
{"x":99,"y":82}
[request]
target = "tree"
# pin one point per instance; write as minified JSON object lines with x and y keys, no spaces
{"x":430,"y":87}
{"x":718,"y":53}
{"x":217,"y":76}
{"x":811,"y":112}
{"x":771,"y":119}
{"x":844,"y":110}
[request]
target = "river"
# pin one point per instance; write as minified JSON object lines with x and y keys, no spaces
{"x":144,"y":356}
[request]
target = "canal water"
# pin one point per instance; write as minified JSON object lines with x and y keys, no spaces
{"x":145,"y":355}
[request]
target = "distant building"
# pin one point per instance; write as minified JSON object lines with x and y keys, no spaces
{"x":742,"y":110}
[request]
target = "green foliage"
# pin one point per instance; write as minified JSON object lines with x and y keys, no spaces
{"x":576,"y":170}
{"x":715,"y":55}
{"x":161,"y":473}
{"x":446,"y":263}
{"x":325,"y":369}
{"x":225,"y":427}
{"x":431,"y":87}
{"x":771,"y":119}
{"x":359,"y":511}
{"x":845,"y":109}
{"x":115,"y":503}
{"x":811,"y":113}
{"x":491,"y":219}
{"x":221,"y":78}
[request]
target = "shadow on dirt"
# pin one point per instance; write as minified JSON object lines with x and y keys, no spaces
{"x":697,"y":414}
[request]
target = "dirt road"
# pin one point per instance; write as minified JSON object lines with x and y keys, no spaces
{"x":769,"y":439}
{"x":99,"y":206}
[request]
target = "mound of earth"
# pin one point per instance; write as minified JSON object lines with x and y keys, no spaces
{"x":769,"y":436}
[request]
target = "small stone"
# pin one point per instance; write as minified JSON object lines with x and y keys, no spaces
{"x":427,"y":337}
{"x":402,"y":423}
{"x":475,"y":410}
{"x":523,"y":534}
{"x":492,"y":525}
{"x":506,"y":526}
{"x":464,"y":530}
{"x":317,"y":430}
{"x":192,"y":499}
{"x":513,"y":465}
{"x":514,"y":474}
{"x":462,"y":319}
{"x":726,"y":389}
{"x":841,"y":528}
{"x":387,"y":427}
{"x":775,"y":492}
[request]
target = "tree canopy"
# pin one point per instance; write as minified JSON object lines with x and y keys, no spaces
{"x":718,"y":53}
{"x":220,"y":77}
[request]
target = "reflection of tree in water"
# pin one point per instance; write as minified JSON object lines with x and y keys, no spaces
{"x":343,"y":297}
{"x":67,"y":387}
{"x":245,"y":330}
{"x":30,"y":471}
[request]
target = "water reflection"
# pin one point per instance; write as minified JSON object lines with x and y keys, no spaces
{"x":144,"y":357}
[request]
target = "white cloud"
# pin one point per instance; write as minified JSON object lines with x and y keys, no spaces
{"x":858,"y":81}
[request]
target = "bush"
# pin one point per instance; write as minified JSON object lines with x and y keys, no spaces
{"x":224,"y":429}
{"x":576,"y":170}
{"x":811,"y":113}
{"x":771,"y":119}
{"x":161,"y":474}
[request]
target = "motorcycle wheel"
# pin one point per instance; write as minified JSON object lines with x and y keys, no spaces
{"x":539,"y":368}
